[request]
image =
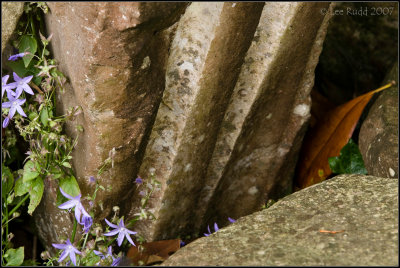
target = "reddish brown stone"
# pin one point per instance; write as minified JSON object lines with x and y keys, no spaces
{"x":114,"y":56}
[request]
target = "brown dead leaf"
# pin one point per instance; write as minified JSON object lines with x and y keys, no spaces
{"x":331,"y":232}
{"x":153,"y":252}
{"x":327,"y":138}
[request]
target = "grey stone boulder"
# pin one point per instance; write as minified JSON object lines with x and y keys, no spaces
{"x":379,"y":134}
{"x":362,"y":210}
{"x":10,"y":14}
{"x":233,"y":113}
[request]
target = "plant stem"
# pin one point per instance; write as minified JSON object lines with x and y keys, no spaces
{"x":14,"y":209}
{"x":35,"y":87}
{"x":74,"y":230}
{"x":6,"y":238}
{"x":109,"y":243}
{"x":84,"y":242}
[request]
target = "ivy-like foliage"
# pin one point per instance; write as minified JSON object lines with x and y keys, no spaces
{"x":349,"y":161}
{"x":30,"y":121}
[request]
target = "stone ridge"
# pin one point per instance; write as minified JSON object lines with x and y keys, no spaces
{"x":363,"y":208}
{"x":263,"y":157}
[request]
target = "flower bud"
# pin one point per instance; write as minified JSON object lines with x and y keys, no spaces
{"x":16,"y":214}
{"x":92,"y":181}
{"x":152,"y":170}
{"x":91,"y":244}
{"x":45,"y":255}
{"x":10,"y":236}
{"x":98,"y":231}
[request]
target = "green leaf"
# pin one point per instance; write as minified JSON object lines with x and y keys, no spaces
{"x":14,"y":257}
{"x":21,"y":188}
{"x":37,"y":80}
{"x":70,"y":186}
{"x":32,"y":115}
{"x":56,"y":73}
{"x":66,"y":164}
{"x":349,"y":160}
{"x":56,"y":172}
{"x":44,"y":116}
{"x":30,"y":171}
{"x":27,"y":43}
{"x":52,"y":124}
{"x":7,"y":181}
{"x":36,"y":193}
{"x":18,"y":67}
{"x":91,"y":259}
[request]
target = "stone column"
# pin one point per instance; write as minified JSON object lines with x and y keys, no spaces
{"x":114,"y":56}
{"x":230,"y":125}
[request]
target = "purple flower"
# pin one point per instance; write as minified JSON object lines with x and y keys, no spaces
{"x":115,"y":262}
{"x":121,"y":230}
{"x":69,"y":249}
{"x":231,"y":220}
{"x":87,"y":222}
{"x":139,"y":180}
{"x":6,"y":121}
{"x":92,"y":180}
{"x":21,"y":84}
{"x":208,"y":228}
{"x":6,"y":87}
{"x":16,"y":56}
{"x":15,"y":105}
{"x":74,"y":202}
{"x":102,"y":256}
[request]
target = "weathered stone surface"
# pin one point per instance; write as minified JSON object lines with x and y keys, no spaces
{"x":114,"y":55}
{"x":364,"y":208}
{"x":264,"y":152}
{"x":379,"y":134}
{"x":209,"y":46}
{"x":226,"y":136}
{"x":10,"y":14}
{"x":231,"y":83}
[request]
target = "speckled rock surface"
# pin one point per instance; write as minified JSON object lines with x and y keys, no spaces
{"x":205,"y":58}
{"x":214,"y":97}
{"x":364,"y":208}
{"x":114,"y":55}
{"x":265,"y":122}
{"x":379,"y":134}
{"x":10,"y":14}
{"x":229,"y":127}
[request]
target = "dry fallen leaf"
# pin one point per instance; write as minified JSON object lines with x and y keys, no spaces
{"x":153,"y":252}
{"x":327,"y":138}
{"x":331,"y":232}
